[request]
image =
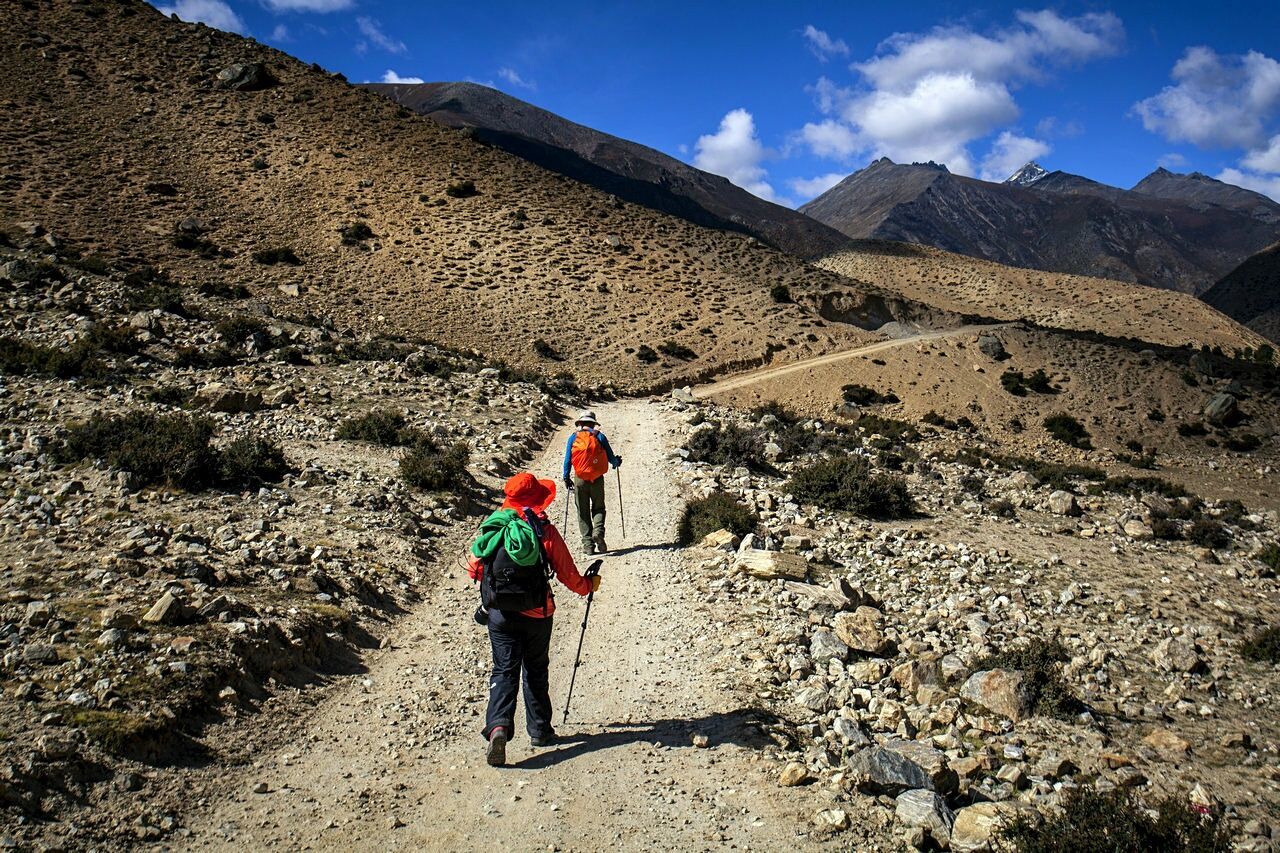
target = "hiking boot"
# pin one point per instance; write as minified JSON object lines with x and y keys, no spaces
{"x":497,"y":752}
{"x":601,"y":548}
{"x":588,"y":548}
{"x":545,"y":740}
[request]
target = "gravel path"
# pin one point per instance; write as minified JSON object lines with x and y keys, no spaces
{"x":396,"y":759}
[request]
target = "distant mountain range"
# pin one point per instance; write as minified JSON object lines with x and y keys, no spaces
{"x":631,"y":171}
{"x":1250,"y":294}
{"x":1180,"y":232}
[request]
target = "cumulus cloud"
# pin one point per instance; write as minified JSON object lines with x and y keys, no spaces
{"x":393,"y":77}
{"x":735,"y":152}
{"x":1172,"y":160}
{"x":822,"y":45}
{"x":214,"y":13}
{"x":1009,"y":153}
{"x":280,"y":33}
{"x":1216,"y":100}
{"x":1268,"y":185}
{"x":929,"y":96}
{"x":807,"y":188}
{"x":512,"y":77}
{"x":372,"y":31}
{"x":1264,"y":159}
{"x":321,"y":6}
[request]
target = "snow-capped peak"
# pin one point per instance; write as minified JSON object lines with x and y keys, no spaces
{"x":1027,"y":175}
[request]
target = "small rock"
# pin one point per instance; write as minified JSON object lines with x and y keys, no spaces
{"x":1000,"y":691}
{"x":793,"y":774}
{"x":928,"y":811}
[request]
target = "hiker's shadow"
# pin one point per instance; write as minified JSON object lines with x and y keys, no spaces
{"x":747,"y":727}
{"x":635,"y":549}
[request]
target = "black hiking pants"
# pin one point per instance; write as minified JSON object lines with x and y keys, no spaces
{"x":519,"y":643}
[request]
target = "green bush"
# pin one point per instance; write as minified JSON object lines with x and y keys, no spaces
{"x":1003,"y":508}
{"x":848,"y":484}
{"x":354,"y":232}
{"x":1139,"y":485}
{"x":386,"y":427}
{"x":1040,"y":662}
{"x":677,"y":350}
{"x":277,"y":255}
{"x":715,"y":512}
{"x":861,"y":395}
{"x":1269,"y":556}
{"x":82,"y":358}
{"x":780,"y":293}
{"x":429,"y":467}
{"x":167,"y":299}
{"x":546,"y":350}
{"x":460,"y":189}
{"x":1243,"y":443}
{"x":1263,"y":646}
{"x":204,"y":357}
{"x":1092,"y":821}
{"x":646,"y":354}
{"x":172,"y":450}
{"x":1068,"y":430}
{"x":729,"y":444}
{"x":1190,"y":430}
{"x":899,"y":432}
{"x":238,"y":328}
{"x":223,"y":290}
{"x":1208,"y":533}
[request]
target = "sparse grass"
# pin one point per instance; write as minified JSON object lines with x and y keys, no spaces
{"x":353,"y":233}
{"x":153,"y":296}
{"x":729,"y":444}
{"x":715,"y":512}
{"x":204,"y":357}
{"x":1191,"y":430}
{"x":1244,"y":443}
{"x":1017,"y":384}
{"x":432,"y":468}
{"x":1050,"y":473}
{"x":250,"y":461}
{"x":80,"y":359}
{"x":646,"y":354}
{"x":546,"y":350}
{"x":780,"y":293}
{"x":386,"y":427}
{"x":277,"y":255}
{"x":1040,"y":662}
{"x":374,"y":349}
{"x":1003,"y":508}
{"x":1269,"y":556}
{"x":1263,"y":646}
{"x":847,"y":484}
{"x":223,"y":290}
{"x":1209,"y":533}
{"x":237,"y":328}
{"x":1139,"y":485}
{"x":1068,"y":430}
{"x":899,"y":432}
{"x":1092,"y":821}
{"x":677,"y":350}
{"x":117,"y":731}
{"x":461,"y":189}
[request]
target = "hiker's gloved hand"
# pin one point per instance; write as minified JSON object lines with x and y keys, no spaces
{"x":617,"y":463}
{"x":568,"y":484}
{"x":595,"y":584}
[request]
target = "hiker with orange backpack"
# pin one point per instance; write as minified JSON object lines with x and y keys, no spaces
{"x":587,"y":458}
{"x":514,"y":557}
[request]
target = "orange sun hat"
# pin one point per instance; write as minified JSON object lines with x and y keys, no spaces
{"x":525,"y":490}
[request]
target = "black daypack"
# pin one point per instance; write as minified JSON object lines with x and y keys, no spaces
{"x":507,"y":585}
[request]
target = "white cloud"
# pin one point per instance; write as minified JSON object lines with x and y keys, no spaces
{"x":1173,"y":160}
{"x":393,"y":77}
{"x":807,"y":188}
{"x":928,"y":96}
{"x":1009,"y":153}
{"x":321,"y":6}
{"x":734,"y":151}
{"x":822,"y":45}
{"x":512,"y":77}
{"x":1268,"y":185}
{"x":1266,"y":159}
{"x":280,"y":33}
{"x":215,"y":13}
{"x":1054,"y":127}
{"x":1216,"y":100}
{"x":372,"y":30}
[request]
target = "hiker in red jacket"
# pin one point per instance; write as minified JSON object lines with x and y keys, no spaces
{"x":514,"y":557}
{"x":588,"y":456}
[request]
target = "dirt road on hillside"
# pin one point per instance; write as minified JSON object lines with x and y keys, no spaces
{"x":395,"y":760}
{"x":795,"y":370}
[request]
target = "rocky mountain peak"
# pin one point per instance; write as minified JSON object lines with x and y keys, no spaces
{"x":1027,"y":175}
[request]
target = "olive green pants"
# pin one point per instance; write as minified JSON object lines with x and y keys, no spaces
{"x":590,"y":498}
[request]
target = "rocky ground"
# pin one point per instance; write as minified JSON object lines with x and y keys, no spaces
{"x":874,"y":657}
{"x":133,"y":617}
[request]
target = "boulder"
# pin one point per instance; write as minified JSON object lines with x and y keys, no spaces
{"x":976,"y":826}
{"x":928,"y":758}
{"x":1063,"y":503}
{"x":245,"y":77}
{"x":39,"y":654}
{"x":683,"y":395}
{"x":768,"y":565}
{"x":1221,"y":409}
{"x":992,"y":347}
{"x":1177,"y":654}
{"x":218,"y":397}
{"x":835,"y":819}
{"x":1136,"y":528}
{"x":721,"y":539}
{"x":22,"y":271}
{"x":1170,"y":746}
{"x":928,"y":811}
{"x":167,"y":610}
{"x":825,"y":646}
{"x":861,"y":631}
{"x":793,"y":774}
{"x":1000,"y":691}
{"x":879,"y":770}
{"x":913,"y":675}
{"x":38,"y":613}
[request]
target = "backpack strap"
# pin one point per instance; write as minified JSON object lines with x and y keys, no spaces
{"x":538,"y":530}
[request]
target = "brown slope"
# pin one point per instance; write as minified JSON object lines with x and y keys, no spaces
{"x":965,"y":286}
{"x":1058,"y":223}
{"x":627,"y":169}
{"x":1251,"y":293}
{"x":113,"y":132}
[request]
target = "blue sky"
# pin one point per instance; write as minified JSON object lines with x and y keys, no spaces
{"x":784,"y":98}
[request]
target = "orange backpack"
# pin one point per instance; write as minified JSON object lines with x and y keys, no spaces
{"x":588,"y":457}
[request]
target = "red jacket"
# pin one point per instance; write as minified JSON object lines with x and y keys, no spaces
{"x":561,"y":561}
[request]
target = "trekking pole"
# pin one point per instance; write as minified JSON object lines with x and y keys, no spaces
{"x":622,"y":516}
{"x":592,"y":571}
{"x":567,"y":492}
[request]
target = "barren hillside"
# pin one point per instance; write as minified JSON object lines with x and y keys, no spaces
{"x":117,"y":129}
{"x":968,"y":286}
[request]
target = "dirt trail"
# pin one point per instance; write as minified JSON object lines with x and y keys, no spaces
{"x":395,"y":760}
{"x":739,"y":381}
